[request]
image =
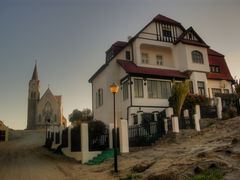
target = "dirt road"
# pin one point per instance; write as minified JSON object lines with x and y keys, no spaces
{"x":25,"y":158}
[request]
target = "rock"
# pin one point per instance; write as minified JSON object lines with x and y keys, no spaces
{"x":234,"y":141}
{"x":164,"y":176}
{"x":141,"y":167}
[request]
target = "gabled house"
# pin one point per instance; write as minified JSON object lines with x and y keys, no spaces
{"x":146,"y":66}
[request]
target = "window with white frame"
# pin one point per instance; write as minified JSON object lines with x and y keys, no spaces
{"x":197,"y":57}
{"x":144,"y":58}
{"x":125,"y":90}
{"x":99,"y":97}
{"x":166,"y":30}
{"x":201,"y":88}
{"x":138,"y":88}
{"x":159,"y":89}
{"x":159,"y":60}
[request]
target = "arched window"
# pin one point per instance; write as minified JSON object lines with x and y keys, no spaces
{"x":197,"y":57}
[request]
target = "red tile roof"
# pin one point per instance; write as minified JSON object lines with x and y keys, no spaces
{"x":217,"y":59}
{"x":132,"y":68}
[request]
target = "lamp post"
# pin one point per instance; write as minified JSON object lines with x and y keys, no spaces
{"x":114,"y":89}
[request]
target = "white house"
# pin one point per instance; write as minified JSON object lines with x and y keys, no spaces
{"x":145,"y":67}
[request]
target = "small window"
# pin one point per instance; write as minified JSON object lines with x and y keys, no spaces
{"x":127,"y":55}
{"x":215,"y":69}
{"x":201,"y":88}
{"x":125,"y":90}
{"x":226,"y":91}
{"x":197,"y":57}
{"x":138,"y":88}
{"x":159,"y":60}
{"x":144,"y":58}
{"x":166,"y":31}
{"x":216,"y":91}
{"x":99,"y":98}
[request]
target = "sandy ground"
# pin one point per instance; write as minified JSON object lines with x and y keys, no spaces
{"x":178,"y":156}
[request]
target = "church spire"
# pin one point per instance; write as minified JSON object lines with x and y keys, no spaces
{"x":35,"y":73}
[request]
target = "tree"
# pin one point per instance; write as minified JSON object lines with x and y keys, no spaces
{"x":179,"y":94}
{"x":84,"y":115}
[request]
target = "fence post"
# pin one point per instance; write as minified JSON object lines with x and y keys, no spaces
{"x":139,"y":115}
{"x":197,"y":122}
{"x":169,"y":112}
{"x":166,"y":125}
{"x":110,"y":134}
{"x":123,"y":136}
{"x":84,"y":142}
{"x":175,"y":125}
{"x":219,"y":108}
{"x":197,"y":111}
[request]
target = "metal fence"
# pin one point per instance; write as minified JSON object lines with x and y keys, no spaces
{"x":57,"y":136}
{"x":145,"y":134}
{"x":98,"y":143}
{"x":208,"y":111}
{"x":65,"y":138}
{"x":76,"y":139}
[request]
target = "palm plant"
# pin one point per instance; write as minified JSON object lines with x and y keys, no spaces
{"x":179,"y":94}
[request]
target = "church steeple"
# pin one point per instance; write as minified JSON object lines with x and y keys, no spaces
{"x":35,"y":73}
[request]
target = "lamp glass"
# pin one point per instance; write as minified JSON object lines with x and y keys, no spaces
{"x":114,"y":88}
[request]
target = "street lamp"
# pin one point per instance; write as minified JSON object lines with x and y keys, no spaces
{"x":114,"y":89}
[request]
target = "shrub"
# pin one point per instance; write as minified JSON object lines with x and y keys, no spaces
{"x":229,"y":112}
{"x":96,"y":128}
{"x":210,"y":174}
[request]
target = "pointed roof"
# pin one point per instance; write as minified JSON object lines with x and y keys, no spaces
{"x":182,"y":38}
{"x":165,"y":19}
{"x":35,"y":73}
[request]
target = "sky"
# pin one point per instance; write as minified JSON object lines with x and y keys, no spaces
{"x":69,"y":39}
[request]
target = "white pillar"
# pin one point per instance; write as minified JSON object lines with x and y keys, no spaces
{"x":175,"y":125}
{"x":197,"y":122}
{"x":111,"y":126}
{"x":139,"y":115}
{"x":84,"y":142}
{"x":123,"y":136}
{"x":219,"y":108}
{"x":166,"y":125}
{"x":197,"y":111}
{"x":186,"y":113}
{"x":155,"y":116}
{"x":169,"y":112}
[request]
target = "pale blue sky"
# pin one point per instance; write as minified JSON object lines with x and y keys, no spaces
{"x":70,"y":38}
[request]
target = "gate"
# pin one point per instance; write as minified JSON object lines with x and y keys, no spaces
{"x":208,"y":111}
{"x":145,"y":134}
{"x":75,"y":139}
{"x":187,"y":122}
{"x":99,"y":142}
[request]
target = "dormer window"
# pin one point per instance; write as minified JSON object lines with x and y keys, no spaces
{"x":159,"y":60}
{"x":127,"y":55}
{"x":197,"y":57}
{"x":144,"y":58}
{"x":166,"y":30}
{"x":215,"y":69}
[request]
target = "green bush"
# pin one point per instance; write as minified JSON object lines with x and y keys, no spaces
{"x":210,"y":174}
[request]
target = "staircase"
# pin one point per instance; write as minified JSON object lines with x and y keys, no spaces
{"x":101,"y":157}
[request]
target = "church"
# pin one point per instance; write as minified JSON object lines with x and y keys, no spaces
{"x":47,"y":109}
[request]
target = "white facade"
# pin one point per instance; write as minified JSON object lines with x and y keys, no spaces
{"x":161,"y":53}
